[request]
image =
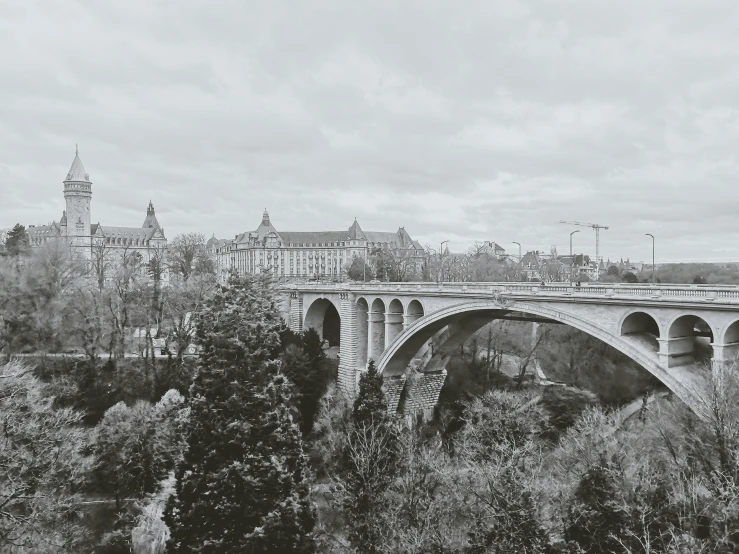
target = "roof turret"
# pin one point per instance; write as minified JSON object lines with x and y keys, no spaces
{"x":63,"y":220}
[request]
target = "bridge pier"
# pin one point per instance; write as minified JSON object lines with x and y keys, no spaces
{"x":348,"y":344}
{"x":675,"y":351}
{"x":296,"y":312}
{"x":724,"y":353}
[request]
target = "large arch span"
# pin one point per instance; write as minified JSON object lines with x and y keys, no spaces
{"x":469,"y":317}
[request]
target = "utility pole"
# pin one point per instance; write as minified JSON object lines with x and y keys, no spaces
{"x":572,"y":260}
{"x":651,"y":235}
{"x":520,"y":265}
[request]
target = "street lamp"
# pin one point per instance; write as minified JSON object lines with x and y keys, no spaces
{"x":519,"y":258}
{"x":572,"y":260}
{"x":441,"y":258}
{"x":651,"y":235}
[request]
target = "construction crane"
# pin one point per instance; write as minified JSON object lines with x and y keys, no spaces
{"x":597,"y":228}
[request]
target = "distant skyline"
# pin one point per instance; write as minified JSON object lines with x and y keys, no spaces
{"x":479,"y":121}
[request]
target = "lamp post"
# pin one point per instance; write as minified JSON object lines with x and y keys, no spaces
{"x":651,"y":235}
{"x":572,"y":260}
{"x":441,"y":258}
{"x":519,"y":259}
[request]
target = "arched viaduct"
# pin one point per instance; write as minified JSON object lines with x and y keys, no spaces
{"x":670,"y":330}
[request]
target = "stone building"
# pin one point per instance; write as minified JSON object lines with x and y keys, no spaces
{"x":76,"y":223}
{"x":304,"y":254}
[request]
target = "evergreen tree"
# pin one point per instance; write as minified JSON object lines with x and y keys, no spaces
{"x":370,"y":464}
{"x":370,"y":406}
{"x":303,"y":363}
{"x":242,"y":486}
{"x":17,"y":242}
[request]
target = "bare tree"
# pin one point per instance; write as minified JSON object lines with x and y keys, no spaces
{"x":188,"y":255}
{"x":120,"y":298}
{"x":101,"y":261}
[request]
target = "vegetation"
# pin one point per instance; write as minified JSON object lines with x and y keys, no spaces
{"x":242,"y":485}
{"x":251,"y":447}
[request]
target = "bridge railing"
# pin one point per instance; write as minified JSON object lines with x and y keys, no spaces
{"x":643,"y":290}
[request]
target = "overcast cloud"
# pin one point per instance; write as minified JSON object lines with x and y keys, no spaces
{"x":457,"y":120}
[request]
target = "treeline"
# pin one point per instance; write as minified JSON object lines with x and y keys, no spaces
{"x":54,"y":299}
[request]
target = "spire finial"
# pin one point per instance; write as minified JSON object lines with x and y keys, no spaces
{"x":76,"y":149}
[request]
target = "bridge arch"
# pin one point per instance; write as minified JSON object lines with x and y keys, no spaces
{"x":393,"y":320}
{"x":469,"y":317}
{"x":323,"y":316}
{"x":691,"y":339}
{"x":415,"y":309}
{"x":642,"y":326}
{"x":731,"y":333}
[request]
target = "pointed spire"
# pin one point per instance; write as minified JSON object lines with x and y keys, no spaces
{"x":151,"y":219}
{"x":355,"y":231}
{"x":265,"y":217}
{"x":77,"y":171}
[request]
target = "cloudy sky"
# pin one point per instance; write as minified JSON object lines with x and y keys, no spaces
{"x":474,"y":120}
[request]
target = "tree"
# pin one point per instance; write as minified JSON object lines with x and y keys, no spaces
{"x":359,"y":270}
{"x":613,"y":271}
{"x":17,"y":242}
{"x":370,"y":462}
{"x":40,"y":461}
{"x":121,"y":297}
{"x":629,"y":277}
{"x":304,"y":366}
{"x":188,"y":255}
{"x":135,"y":447}
{"x":242,"y":484}
{"x":597,"y":520}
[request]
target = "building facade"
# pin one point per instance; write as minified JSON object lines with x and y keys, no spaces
{"x":87,"y":237}
{"x":304,"y":255}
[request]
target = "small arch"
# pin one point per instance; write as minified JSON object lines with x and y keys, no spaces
{"x":731,"y":335}
{"x":415,"y":308}
{"x":376,"y":329}
{"x":394,"y":320}
{"x":643,"y":327}
{"x":690,"y":339}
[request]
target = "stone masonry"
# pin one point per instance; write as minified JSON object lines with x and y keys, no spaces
{"x":657,"y":326}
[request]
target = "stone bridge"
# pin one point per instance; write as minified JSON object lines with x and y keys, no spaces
{"x":660,"y":327}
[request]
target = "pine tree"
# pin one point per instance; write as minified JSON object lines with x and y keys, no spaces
{"x":242,"y":486}
{"x":370,"y":406}
{"x":17,"y":241}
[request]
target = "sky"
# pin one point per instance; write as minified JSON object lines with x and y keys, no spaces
{"x":460,"y":121}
